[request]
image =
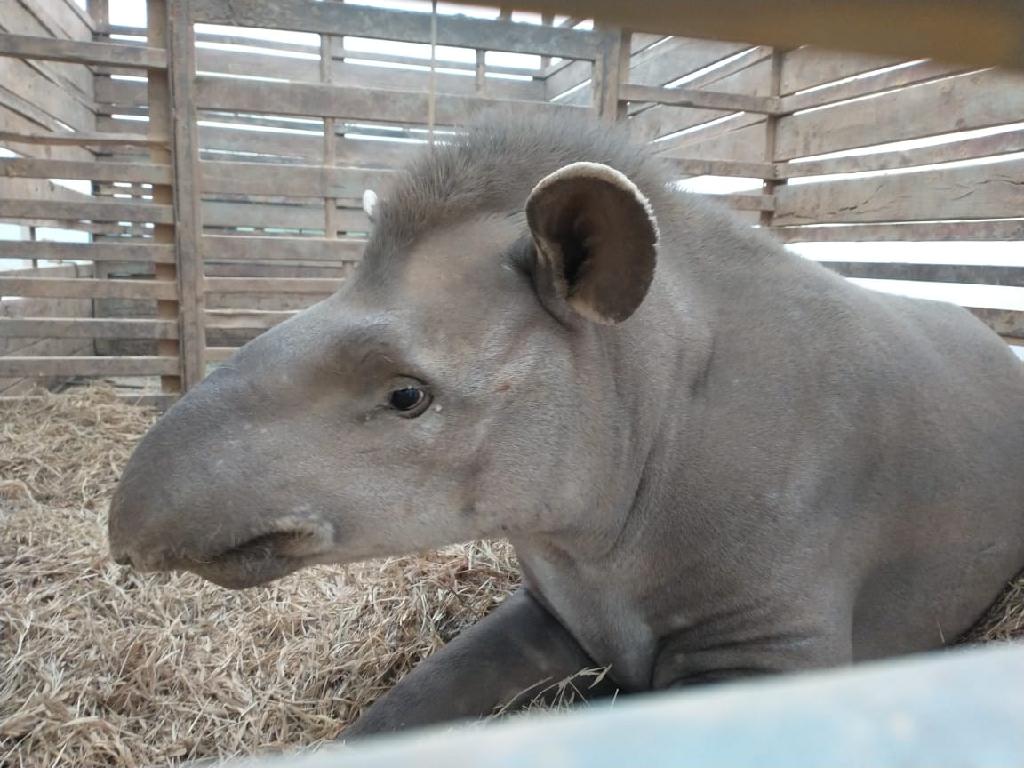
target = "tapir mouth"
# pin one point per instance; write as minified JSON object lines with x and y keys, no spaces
{"x":257,"y":560}
{"x":273,"y":544}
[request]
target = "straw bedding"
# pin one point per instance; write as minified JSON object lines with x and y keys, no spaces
{"x":103,"y":666}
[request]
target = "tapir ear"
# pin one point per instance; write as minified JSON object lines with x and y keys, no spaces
{"x":595,"y":234}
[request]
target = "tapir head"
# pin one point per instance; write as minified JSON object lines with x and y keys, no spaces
{"x":462,"y":384}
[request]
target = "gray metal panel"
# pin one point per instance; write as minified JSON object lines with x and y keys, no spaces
{"x":962,"y":708}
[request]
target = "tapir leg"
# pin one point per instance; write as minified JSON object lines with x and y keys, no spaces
{"x":505,"y":658}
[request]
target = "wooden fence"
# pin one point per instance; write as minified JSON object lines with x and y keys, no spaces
{"x":227,"y":166}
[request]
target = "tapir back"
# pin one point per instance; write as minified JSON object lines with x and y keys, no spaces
{"x":886,"y":431}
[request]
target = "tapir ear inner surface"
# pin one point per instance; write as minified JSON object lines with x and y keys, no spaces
{"x":596,"y":233}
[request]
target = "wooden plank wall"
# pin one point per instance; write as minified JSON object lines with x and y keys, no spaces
{"x":851,"y":181}
{"x":853,"y":148}
{"x":281,"y":139}
{"x":281,"y":191}
{"x":40,"y":96}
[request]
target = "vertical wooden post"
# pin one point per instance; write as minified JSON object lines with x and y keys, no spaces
{"x":330,"y":151}
{"x":547,"y":20}
{"x":99,"y":11}
{"x":32,"y":234}
{"x":504,"y":14}
{"x":481,"y":71}
{"x":771,"y":131}
{"x":181,"y":58}
{"x":611,"y":69}
{"x":159,"y":100}
{"x":432,"y":87}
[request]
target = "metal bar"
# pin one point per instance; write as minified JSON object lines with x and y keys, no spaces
{"x":957,"y":708}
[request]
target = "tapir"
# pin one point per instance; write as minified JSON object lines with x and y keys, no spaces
{"x":715,"y":458}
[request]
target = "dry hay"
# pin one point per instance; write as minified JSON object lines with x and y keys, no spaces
{"x":103,"y":666}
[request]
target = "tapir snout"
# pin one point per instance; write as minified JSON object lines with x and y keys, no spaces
{"x":210,"y":488}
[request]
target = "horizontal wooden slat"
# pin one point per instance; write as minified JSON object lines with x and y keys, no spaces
{"x":660,"y":120}
{"x":811,"y":66}
{"x":241,"y":38}
{"x":692,"y":166}
{"x":87,"y":328}
{"x":320,"y":269}
{"x":83,"y":138}
{"x":272,"y":285}
{"x":973,"y":192}
{"x":338,"y":54}
{"x":99,"y":211}
{"x":375,"y":154}
{"x":289,"y":147}
{"x":86,"y":288}
{"x":742,"y":202}
{"x":965,"y":102}
{"x":104,"y":251}
{"x":682,"y":97}
{"x":928,"y":232}
{"x":741,"y":138}
{"x":273,"y":145}
{"x":119,"y":55}
{"x":219,"y":354}
{"x":288,"y":180}
{"x":231,"y":247}
{"x":39,"y":189}
{"x":1005,"y":322}
{"x":124,"y":93}
{"x":933,"y":273}
{"x":362,"y":21}
{"x":228,"y":214}
{"x":918,"y":73}
{"x":320,"y":100}
{"x":35,"y":91}
{"x":11,"y":367}
{"x":343,"y":54}
{"x":245,"y":319}
{"x":961,"y":149}
{"x":674,"y":58}
{"x":982,"y":32}
{"x":35,"y":168}
{"x":149,"y":400}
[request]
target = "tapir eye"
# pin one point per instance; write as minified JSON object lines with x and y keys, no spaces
{"x":409,"y":401}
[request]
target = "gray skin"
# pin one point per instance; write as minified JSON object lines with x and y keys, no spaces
{"x":714,"y":458}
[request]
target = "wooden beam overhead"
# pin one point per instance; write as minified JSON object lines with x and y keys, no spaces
{"x":977,"y":32}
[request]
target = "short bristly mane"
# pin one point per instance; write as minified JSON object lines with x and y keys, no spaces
{"x":491,"y":168}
